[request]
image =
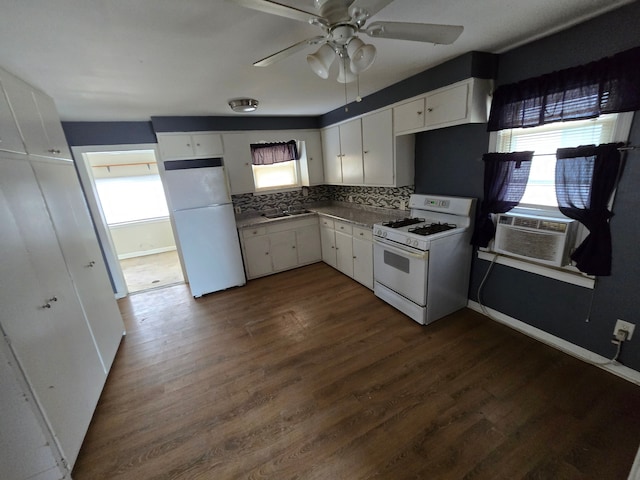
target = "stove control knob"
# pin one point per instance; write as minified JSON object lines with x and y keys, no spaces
{"x":408,"y":241}
{"x":378,"y":232}
{"x":384,"y":234}
{"x":415,"y":243}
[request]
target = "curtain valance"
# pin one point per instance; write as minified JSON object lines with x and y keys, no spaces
{"x":608,"y":85}
{"x":270,"y":153}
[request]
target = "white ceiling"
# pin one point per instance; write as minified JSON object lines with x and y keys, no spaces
{"x":133,"y":59}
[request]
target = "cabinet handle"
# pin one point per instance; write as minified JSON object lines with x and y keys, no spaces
{"x":91,"y":264}
{"x":197,"y":144}
{"x":255,"y":232}
{"x":311,"y":159}
{"x":354,"y":257}
{"x":293,"y":247}
{"x":55,"y":151}
{"x":52,"y":299}
{"x":188,"y":144}
{"x":361,"y":234}
{"x":266,"y":253}
{"x":366,"y":151}
{"x":429,"y":109}
{"x":419,"y":113}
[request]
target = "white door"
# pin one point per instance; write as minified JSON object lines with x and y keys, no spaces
{"x":332,"y":157}
{"x":344,"y":253}
{"x":377,"y":148}
{"x":258,"y":259}
{"x":308,"y":243}
{"x":363,"y":262}
{"x":328,"y":244}
{"x":351,"y":147}
{"x":283,"y":250}
{"x":59,"y":185}
{"x":41,"y":313}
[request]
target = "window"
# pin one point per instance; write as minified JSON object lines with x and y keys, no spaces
{"x":544,"y":141}
{"x":275,"y":165}
{"x":276,"y":176}
{"x":130,"y":199}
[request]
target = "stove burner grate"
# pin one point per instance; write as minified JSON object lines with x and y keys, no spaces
{"x":402,"y":222}
{"x":431,"y":229}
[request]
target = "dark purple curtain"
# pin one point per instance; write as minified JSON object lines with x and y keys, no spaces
{"x":505,"y":179}
{"x":608,"y":85}
{"x":585,"y":179}
{"x":270,"y":153}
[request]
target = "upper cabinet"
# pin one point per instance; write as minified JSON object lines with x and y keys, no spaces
{"x":462,"y":102}
{"x":190,"y":145}
{"x":237,"y":162}
{"x":10,"y":139}
{"x":364,"y":152}
{"x":37,"y":120}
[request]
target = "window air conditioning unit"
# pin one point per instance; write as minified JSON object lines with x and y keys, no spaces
{"x":541,"y":239}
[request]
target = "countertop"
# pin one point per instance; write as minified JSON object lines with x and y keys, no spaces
{"x":362,"y":215}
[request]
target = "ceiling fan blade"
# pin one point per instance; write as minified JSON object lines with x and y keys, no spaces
{"x":419,"y":32}
{"x":271,"y":59}
{"x":363,"y":9}
{"x":275,"y":8}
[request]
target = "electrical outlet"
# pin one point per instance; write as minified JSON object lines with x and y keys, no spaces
{"x":626,"y":326}
{"x":237,"y":209}
{"x":403,"y":205}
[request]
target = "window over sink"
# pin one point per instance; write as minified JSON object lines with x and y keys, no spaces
{"x":276,"y":166}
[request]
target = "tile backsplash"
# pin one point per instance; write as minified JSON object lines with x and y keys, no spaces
{"x":384,"y":197}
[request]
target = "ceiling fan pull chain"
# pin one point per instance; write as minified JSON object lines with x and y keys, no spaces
{"x":344,"y":64}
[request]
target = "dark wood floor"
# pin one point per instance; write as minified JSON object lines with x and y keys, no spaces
{"x":307,"y":375}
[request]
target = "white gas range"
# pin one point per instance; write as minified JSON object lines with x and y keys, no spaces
{"x":422,"y":262}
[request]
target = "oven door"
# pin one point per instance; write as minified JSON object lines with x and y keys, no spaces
{"x":402,"y":271}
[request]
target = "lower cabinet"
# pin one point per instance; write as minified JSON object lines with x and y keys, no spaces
{"x":280,"y":245}
{"x":348,"y":248}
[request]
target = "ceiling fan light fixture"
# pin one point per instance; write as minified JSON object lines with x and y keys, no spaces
{"x":243,"y":105}
{"x":345,"y":73}
{"x":361,"y":55}
{"x":321,"y":60}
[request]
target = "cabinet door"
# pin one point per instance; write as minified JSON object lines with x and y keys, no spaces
{"x":56,"y":141}
{"x":447,"y":105}
{"x":207,"y":144}
{"x":377,"y":148}
{"x":408,"y":116}
{"x":328,"y":244}
{"x":283,"y":250}
{"x":308,"y":244}
{"x":41,"y":314}
{"x":363,"y":262}
{"x":10,"y":139}
{"x":351,"y":147}
{"x":344,"y":253}
{"x":332,"y":156}
{"x":313,"y":171}
{"x":257,"y":258}
{"x":237,"y":161}
{"x":74,"y":229}
{"x":26,"y":114}
{"x":175,"y":146}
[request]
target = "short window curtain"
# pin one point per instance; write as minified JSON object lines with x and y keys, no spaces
{"x":609,"y":85}
{"x":585,"y":179}
{"x":505,"y":180}
{"x":270,"y":153}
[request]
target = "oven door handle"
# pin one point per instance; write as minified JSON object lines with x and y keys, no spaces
{"x":401,"y":252}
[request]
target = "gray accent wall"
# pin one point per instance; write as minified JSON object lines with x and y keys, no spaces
{"x":447,"y":162}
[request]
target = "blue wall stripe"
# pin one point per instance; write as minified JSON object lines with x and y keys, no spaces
{"x":108,"y":133}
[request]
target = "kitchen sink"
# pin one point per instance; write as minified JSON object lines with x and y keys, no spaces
{"x":298,"y":212}
{"x":275,"y":215}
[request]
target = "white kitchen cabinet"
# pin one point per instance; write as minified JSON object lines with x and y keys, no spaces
{"x":377,"y":148}
{"x":10,"y":139}
{"x":280,"y":245}
{"x":308,"y":244}
{"x":283,"y":250}
{"x":363,"y":256}
{"x":344,"y":253}
{"x":312,"y":169}
{"x":332,"y":155}
{"x":37,"y":118}
{"x":190,"y":145}
{"x":349,"y":249}
{"x":467,"y":101}
{"x":257,"y":254}
{"x":237,"y":162}
{"x":70,"y":215}
{"x":351,"y":149}
{"x":41,"y":313}
{"x":328,"y":241}
{"x":409,"y":116}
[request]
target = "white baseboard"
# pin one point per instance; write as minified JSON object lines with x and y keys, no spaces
{"x":560,"y":344}
{"x":142,"y":253}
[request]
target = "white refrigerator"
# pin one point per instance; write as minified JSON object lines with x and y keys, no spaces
{"x":202,"y":211}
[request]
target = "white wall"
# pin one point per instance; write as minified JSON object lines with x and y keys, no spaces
{"x":142,"y":238}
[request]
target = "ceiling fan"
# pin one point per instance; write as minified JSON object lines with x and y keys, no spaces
{"x":341,"y":22}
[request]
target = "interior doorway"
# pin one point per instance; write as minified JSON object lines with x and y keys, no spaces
{"x":126,"y":199}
